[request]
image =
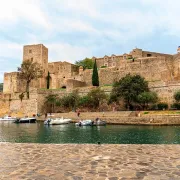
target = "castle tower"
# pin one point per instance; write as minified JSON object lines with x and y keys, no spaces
{"x":178,"y":50}
{"x":37,"y":53}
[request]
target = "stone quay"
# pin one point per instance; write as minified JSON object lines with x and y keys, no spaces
{"x":89,"y":161}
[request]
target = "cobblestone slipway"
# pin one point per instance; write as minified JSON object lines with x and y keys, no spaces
{"x":86,"y":161}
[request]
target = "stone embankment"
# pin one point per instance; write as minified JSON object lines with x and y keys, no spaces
{"x":122,"y":117}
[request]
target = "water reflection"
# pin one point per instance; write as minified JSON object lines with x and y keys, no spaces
{"x":111,"y":134}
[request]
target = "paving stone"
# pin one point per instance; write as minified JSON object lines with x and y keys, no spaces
{"x":88,"y":161}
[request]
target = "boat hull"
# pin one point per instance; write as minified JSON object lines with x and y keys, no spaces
{"x":84,"y":123}
{"x":5,"y":120}
{"x":100,"y":123}
{"x":57,"y":121}
{"x":8,"y":118}
{"x":26,"y":120}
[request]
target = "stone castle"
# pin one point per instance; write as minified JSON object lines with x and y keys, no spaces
{"x":162,"y":71}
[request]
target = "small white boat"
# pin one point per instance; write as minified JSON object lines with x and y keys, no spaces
{"x":26,"y":120}
{"x":84,"y":123}
{"x":99,"y":123}
{"x":57,"y":121}
{"x":8,"y":118}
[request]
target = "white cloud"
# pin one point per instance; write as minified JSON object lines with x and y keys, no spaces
{"x":166,"y":14}
{"x":12,"y":12}
{"x":85,"y":7}
{"x":101,"y":22}
{"x":67,"y":52}
{"x":11,"y":50}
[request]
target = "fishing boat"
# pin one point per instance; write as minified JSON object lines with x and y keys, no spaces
{"x":57,"y":121}
{"x":8,"y":118}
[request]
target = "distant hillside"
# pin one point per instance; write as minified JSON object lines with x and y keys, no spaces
{"x":1,"y":87}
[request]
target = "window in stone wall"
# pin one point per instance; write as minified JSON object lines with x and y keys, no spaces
{"x":105,"y":64}
{"x":114,"y":64}
{"x":149,"y":55}
{"x":30,"y":51}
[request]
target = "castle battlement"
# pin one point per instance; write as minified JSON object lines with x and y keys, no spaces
{"x":151,"y":65}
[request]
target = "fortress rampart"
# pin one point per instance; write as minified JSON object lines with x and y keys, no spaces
{"x":162,"y":71}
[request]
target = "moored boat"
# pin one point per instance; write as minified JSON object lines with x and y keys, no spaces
{"x":8,"y":118}
{"x":84,"y":123}
{"x":57,"y":121}
{"x":100,"y":123}
{"x":26,"y":120}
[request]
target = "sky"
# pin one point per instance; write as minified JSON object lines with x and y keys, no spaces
{"x":75,"y":29}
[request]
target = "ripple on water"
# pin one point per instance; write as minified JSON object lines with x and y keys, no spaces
{"x":110,"y":134}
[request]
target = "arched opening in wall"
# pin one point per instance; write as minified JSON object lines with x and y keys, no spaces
{"x":63,"y":87}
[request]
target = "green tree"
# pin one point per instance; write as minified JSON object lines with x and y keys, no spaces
{"x":95,"y":77}
{"x":96,"y":96}
{"x":162,"y":106}
{"x":48,"y":80}
{"x":87,"y":63}
{"x":70,"y":101}
{"x":128,"y":88}
{"x":177,"y":96}
{"x":146,"y":98}
{"x":30,"y":71}
{"x":1,"y":87}
{"x":50,"y":102}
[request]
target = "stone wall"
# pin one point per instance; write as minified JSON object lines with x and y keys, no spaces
{"x":72,"y":84}
{"x":37,"y":53}
{"x":12,"y":83}
{"x":60,"y":72}
{"x":162,"y":71}
{"x":143,"y":66}
{"x":11,"y":104}
{"x":4,"y":104}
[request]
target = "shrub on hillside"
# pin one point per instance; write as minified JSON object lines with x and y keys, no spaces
{"x":103,"y":66}
{"x":175,"y":106}
{"x":128,"y":88}
{"x":162,"y":106}
{"x":84,"y":101}
{"x":70,"y":101}
{"x":96,"y":96}
{"x":177,"y":96}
